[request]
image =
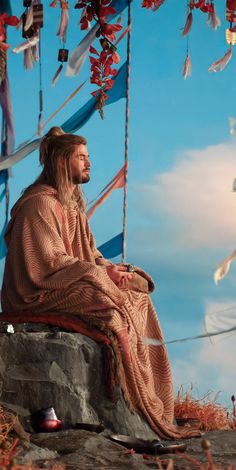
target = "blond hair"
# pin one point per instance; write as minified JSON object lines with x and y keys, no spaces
{"x":56,"y":143}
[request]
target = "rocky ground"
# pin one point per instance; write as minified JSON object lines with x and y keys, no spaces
{"x":82,"y":450}
{"x":47,"y":368}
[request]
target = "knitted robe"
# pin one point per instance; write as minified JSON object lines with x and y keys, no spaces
{"x":51,"y":267}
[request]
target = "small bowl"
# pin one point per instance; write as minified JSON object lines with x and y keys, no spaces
{"x":49,"y":425}
{"x":189,"y":422}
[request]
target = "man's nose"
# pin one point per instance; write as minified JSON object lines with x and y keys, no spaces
{"x":88,"y":163}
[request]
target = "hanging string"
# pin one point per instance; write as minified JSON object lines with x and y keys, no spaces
{"x":126,"y":132}
{"x":40,"y":88}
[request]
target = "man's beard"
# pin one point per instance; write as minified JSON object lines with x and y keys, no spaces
{"x":81,"y":179}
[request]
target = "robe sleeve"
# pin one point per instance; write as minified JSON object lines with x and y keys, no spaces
{"x":99,"y":259}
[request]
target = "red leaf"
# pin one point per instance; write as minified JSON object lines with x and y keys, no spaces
{"x":12,"y":21}
{"x":114,"y":72}
{"x":116,"y":27}
{"x":109,"y":84}
{"x":93,"y":50}
{"x":115,"y":58}
{"x":96,"y":81}
{"x":94,"y":61}
{"x":107,"y":71}
{"x":103,"y":56}
{"x":84,"y":24}
{"x":94,"y":93}
{"x":105,"y":11}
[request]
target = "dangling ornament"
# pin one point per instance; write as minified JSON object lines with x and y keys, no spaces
{"x":3,"y":65}
{"x":64,"y":21}
{"x":38,"y":15}
{"x":62,"y":57}
{"x":205,"y":6}
{"x":187,"y":67}
{"x":27,"y":3}
{"x":230,"y":35}
{"x":231,"y":11}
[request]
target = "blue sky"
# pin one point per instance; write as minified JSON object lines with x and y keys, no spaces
{"x":182,"y":162}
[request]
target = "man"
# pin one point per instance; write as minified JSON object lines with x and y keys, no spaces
{"x":53,"y":265}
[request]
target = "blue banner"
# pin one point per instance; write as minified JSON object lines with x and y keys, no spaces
{"x":113,"y":247}
{"x":75,"y":122}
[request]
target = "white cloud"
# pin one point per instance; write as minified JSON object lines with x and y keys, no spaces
{"x":212,"y":365}
{"x":196,"y":197}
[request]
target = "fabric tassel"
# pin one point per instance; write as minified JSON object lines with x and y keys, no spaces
{"x":187,"y":67}
{"x":188,"y":24}
{"x":57,"y":74}
{"x":157,"y":4}
{"x":118,"y":181}
{"x":27,"y":44}
{"x":220,"y":64}
{"x":28,"y":59}
{"x":63,"y":24}
{"x":213,"y":20}
{"x":40,"y":125}
{"x":18,"y":26}
{"x":6,"y":105}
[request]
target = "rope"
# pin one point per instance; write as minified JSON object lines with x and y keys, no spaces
{"x":126,"y":133}
{"x":157,"y":342}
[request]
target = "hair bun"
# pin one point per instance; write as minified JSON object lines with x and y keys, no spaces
{"x":54,"y":132}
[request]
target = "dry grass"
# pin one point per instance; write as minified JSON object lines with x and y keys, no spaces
{"x":9,"y":443}
{"x":212,"y":415}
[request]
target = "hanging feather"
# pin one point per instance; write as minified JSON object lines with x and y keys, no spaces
{"x":40,"y":125}
{"x":220,"y":64}
{"x":28,"y":59}
{"x":187,"y":67}
{"x":188,"y":24}
{"x":29,"y":18}
{"x":224,"y":267}
{"x":57,"y":74}
{"x":64,"y":21}
{"x":232,"y":131}
{"x":35,"y":52}
{"x":213,"y":20}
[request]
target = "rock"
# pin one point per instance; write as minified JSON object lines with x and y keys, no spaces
{"x":83,"y":449}
{"x":65,"y":370}
{"x":29,"y":452}
{"x":86,"y":450}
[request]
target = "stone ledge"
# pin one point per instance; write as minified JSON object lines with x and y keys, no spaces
{"x":64,"y":370}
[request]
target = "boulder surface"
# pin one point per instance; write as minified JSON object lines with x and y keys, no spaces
{"x":40,"y":369}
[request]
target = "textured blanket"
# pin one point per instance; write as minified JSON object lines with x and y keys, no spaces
{"x":51,"y":266}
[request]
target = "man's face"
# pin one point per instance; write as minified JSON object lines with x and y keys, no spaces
{"x":80,"y":165}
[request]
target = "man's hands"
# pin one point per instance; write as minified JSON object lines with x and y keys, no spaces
{"x":119,"y":275}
